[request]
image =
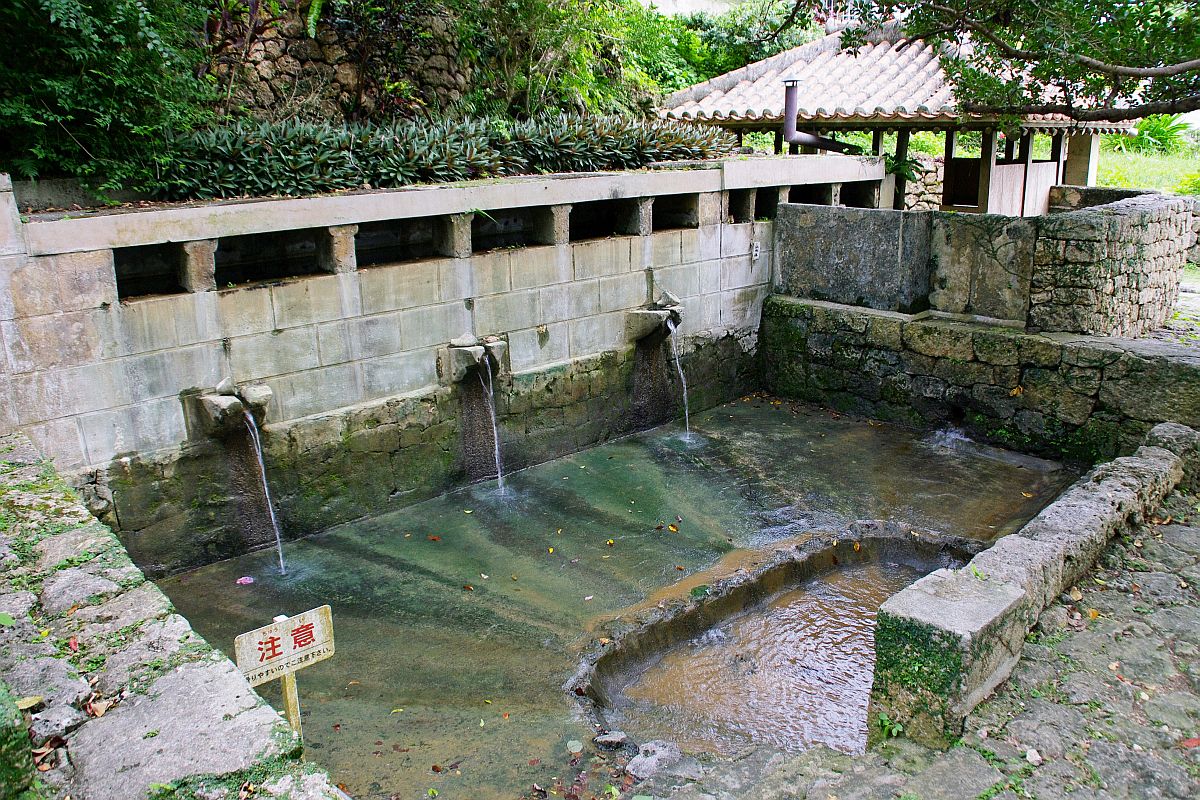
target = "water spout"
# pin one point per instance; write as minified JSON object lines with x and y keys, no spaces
{"x":489,"y":397}
{"x":252,"y":426}
{"x":687,"y":423}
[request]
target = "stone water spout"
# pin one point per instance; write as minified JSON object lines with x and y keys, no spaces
{"x":229,"y":409}
{"x":465,"y":361}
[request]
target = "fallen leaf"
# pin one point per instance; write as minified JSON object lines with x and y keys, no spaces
{"x":434,"y":538}
{"x":468,"y":511}
{"x":468,"y":587}
{"x":73,"y":644}
{"x":533,"y":762}
{"x":489,"y":702}
{"x":436,"y":767}
{"x":857,"y":547}
{"x":481,"y":723}
{"x":26,"y":703}
{"x":7,"y":620}
{"x":1188,"y":744}
{"x":1026,"y":494}
{"x":679,"y":567}
{"x":1093,"y":613}
{"x":673,"y":528}
{"x":514,"y":577}
{"x":96,"y":708}
{"x":610,"y":542}
{"x":1076,"y":595}
{"x":659,"y":527}
{"x":1017,"y":391}
{"x":679,"y":519}
{"x":504,"y":715}
{"x":603,"y":640}
{"x":589,"y":597}
{"x":550,"y":550}
{"x":483,"y":575}
{"x":397,"y":710}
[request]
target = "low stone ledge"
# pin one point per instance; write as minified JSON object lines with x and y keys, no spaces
{"x":131,"y":701}
{"x":947,"y":641}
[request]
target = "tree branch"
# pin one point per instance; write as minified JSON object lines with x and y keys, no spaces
{"x":1178,"y":105}
{"x":1165,"y":71}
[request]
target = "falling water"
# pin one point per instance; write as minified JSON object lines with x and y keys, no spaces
{"x":252,"y":426}
{"x":687,"y":424}
{"x":491,"y":404}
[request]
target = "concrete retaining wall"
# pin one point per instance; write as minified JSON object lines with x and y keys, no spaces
{"x":1083,"y":398}
{"x":944,"y":643}
{"x":344,"y":306}
{"x":1107,"y":263}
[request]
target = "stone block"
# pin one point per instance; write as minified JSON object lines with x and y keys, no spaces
{"x":636,"y":218}
{"x":86,"y":280}
{"x":553,"y":225}
{"x":942,"y":645}
{"x":618,"y":292}
{"x":983,"y":264}
{"x":710,"y":208}
{"x":940,"y":340}
{"x":506,"y":312}
{"x":245,"y":311}
{"x":275,"y":353}
{"x":643,"y":322}
{"x":228,"y":728}
{"x":335,"y":248}
{"x":455,"y":279}
{"x":197,"y":268}
{"x":220,"y":414}
{"x":1183,"y":442}
{"x":741,"y":271}
{"x":598,"y":334}
{"x":540,"y":266}
{"x":302,"y":393}
{"x":490,"y":272}
{"x":536,"y":347}
{"x":52,"y":342}
{"x":433,"y":325}
{"x":700,"y":244}
{"x":399,"y":373}
{"x":665,"y":249}
{"x":1035,"y":566}
{"x":611,"y":256}
{"x":310,"y":300}
{"x":399,"y":286}
{"x":736,"y":239}
{"x":143,"y":428}
{"x":376,"y":335}
{"x":682,"y":281}
{"x":452,"y":235}
{"x":857,"y":256}
{"x":333,"y":342}
{"x":570,"y":300}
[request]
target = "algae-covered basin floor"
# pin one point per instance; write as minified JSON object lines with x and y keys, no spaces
{"x":458,"y":619}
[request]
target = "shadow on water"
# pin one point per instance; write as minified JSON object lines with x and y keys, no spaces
{"x":459,"y":618}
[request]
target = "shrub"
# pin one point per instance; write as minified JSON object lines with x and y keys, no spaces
{"x":89,"y":86}
{"x":299,"y":158}
{"x":1189,"y":184}
{"x":1158,"y":133}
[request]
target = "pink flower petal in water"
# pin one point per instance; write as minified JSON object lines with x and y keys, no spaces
{"x":244,"y":580}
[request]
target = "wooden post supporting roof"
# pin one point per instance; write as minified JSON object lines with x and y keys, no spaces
{"x":901,"y":155}
{"x":987,"y":163}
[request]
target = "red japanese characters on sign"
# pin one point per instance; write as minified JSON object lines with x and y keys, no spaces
{"x":285,"y":645}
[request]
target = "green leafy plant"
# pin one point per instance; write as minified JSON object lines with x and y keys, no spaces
{"x":1189,"y":184}
{"x":910,"y":169}
{"x":298,"y":158}
{"x":888,"y":727}
{"x":1160,"y":133}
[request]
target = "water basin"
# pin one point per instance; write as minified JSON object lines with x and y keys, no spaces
{"x":458,"y":619}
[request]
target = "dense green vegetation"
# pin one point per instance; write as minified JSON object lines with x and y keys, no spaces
{"x":110,"y":91}
{"x":1164,"y":154}
{"x":299,"y":158}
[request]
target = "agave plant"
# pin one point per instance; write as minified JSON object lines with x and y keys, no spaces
{"x":301,"y":158}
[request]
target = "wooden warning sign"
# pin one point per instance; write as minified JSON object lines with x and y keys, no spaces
{"x":286,"y":645}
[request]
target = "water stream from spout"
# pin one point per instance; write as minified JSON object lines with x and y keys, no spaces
{"x":252,"y":426}
{"x":491,"y":404}
{"x":687,"y":423}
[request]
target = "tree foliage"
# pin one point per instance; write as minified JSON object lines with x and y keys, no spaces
{"x":89,"y":85}
{"x":1088,"y":59}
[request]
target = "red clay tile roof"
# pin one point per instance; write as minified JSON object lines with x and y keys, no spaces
{"x":887,"y":81}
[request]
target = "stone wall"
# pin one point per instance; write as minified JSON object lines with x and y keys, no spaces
{"x":1110,"y":269}
{"x":125,"y":698}
{"x":1061,"y":395}
{"x":288,"y":73}
{"x":925,"y":194}
{"x":344,"y":307}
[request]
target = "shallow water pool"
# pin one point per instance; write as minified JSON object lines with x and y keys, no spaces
{"x":459,"y":618}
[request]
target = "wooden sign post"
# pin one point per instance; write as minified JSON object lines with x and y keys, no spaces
{"x":280,"y":649}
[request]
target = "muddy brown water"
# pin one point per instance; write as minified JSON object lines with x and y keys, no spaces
{"x":431,"y":673}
